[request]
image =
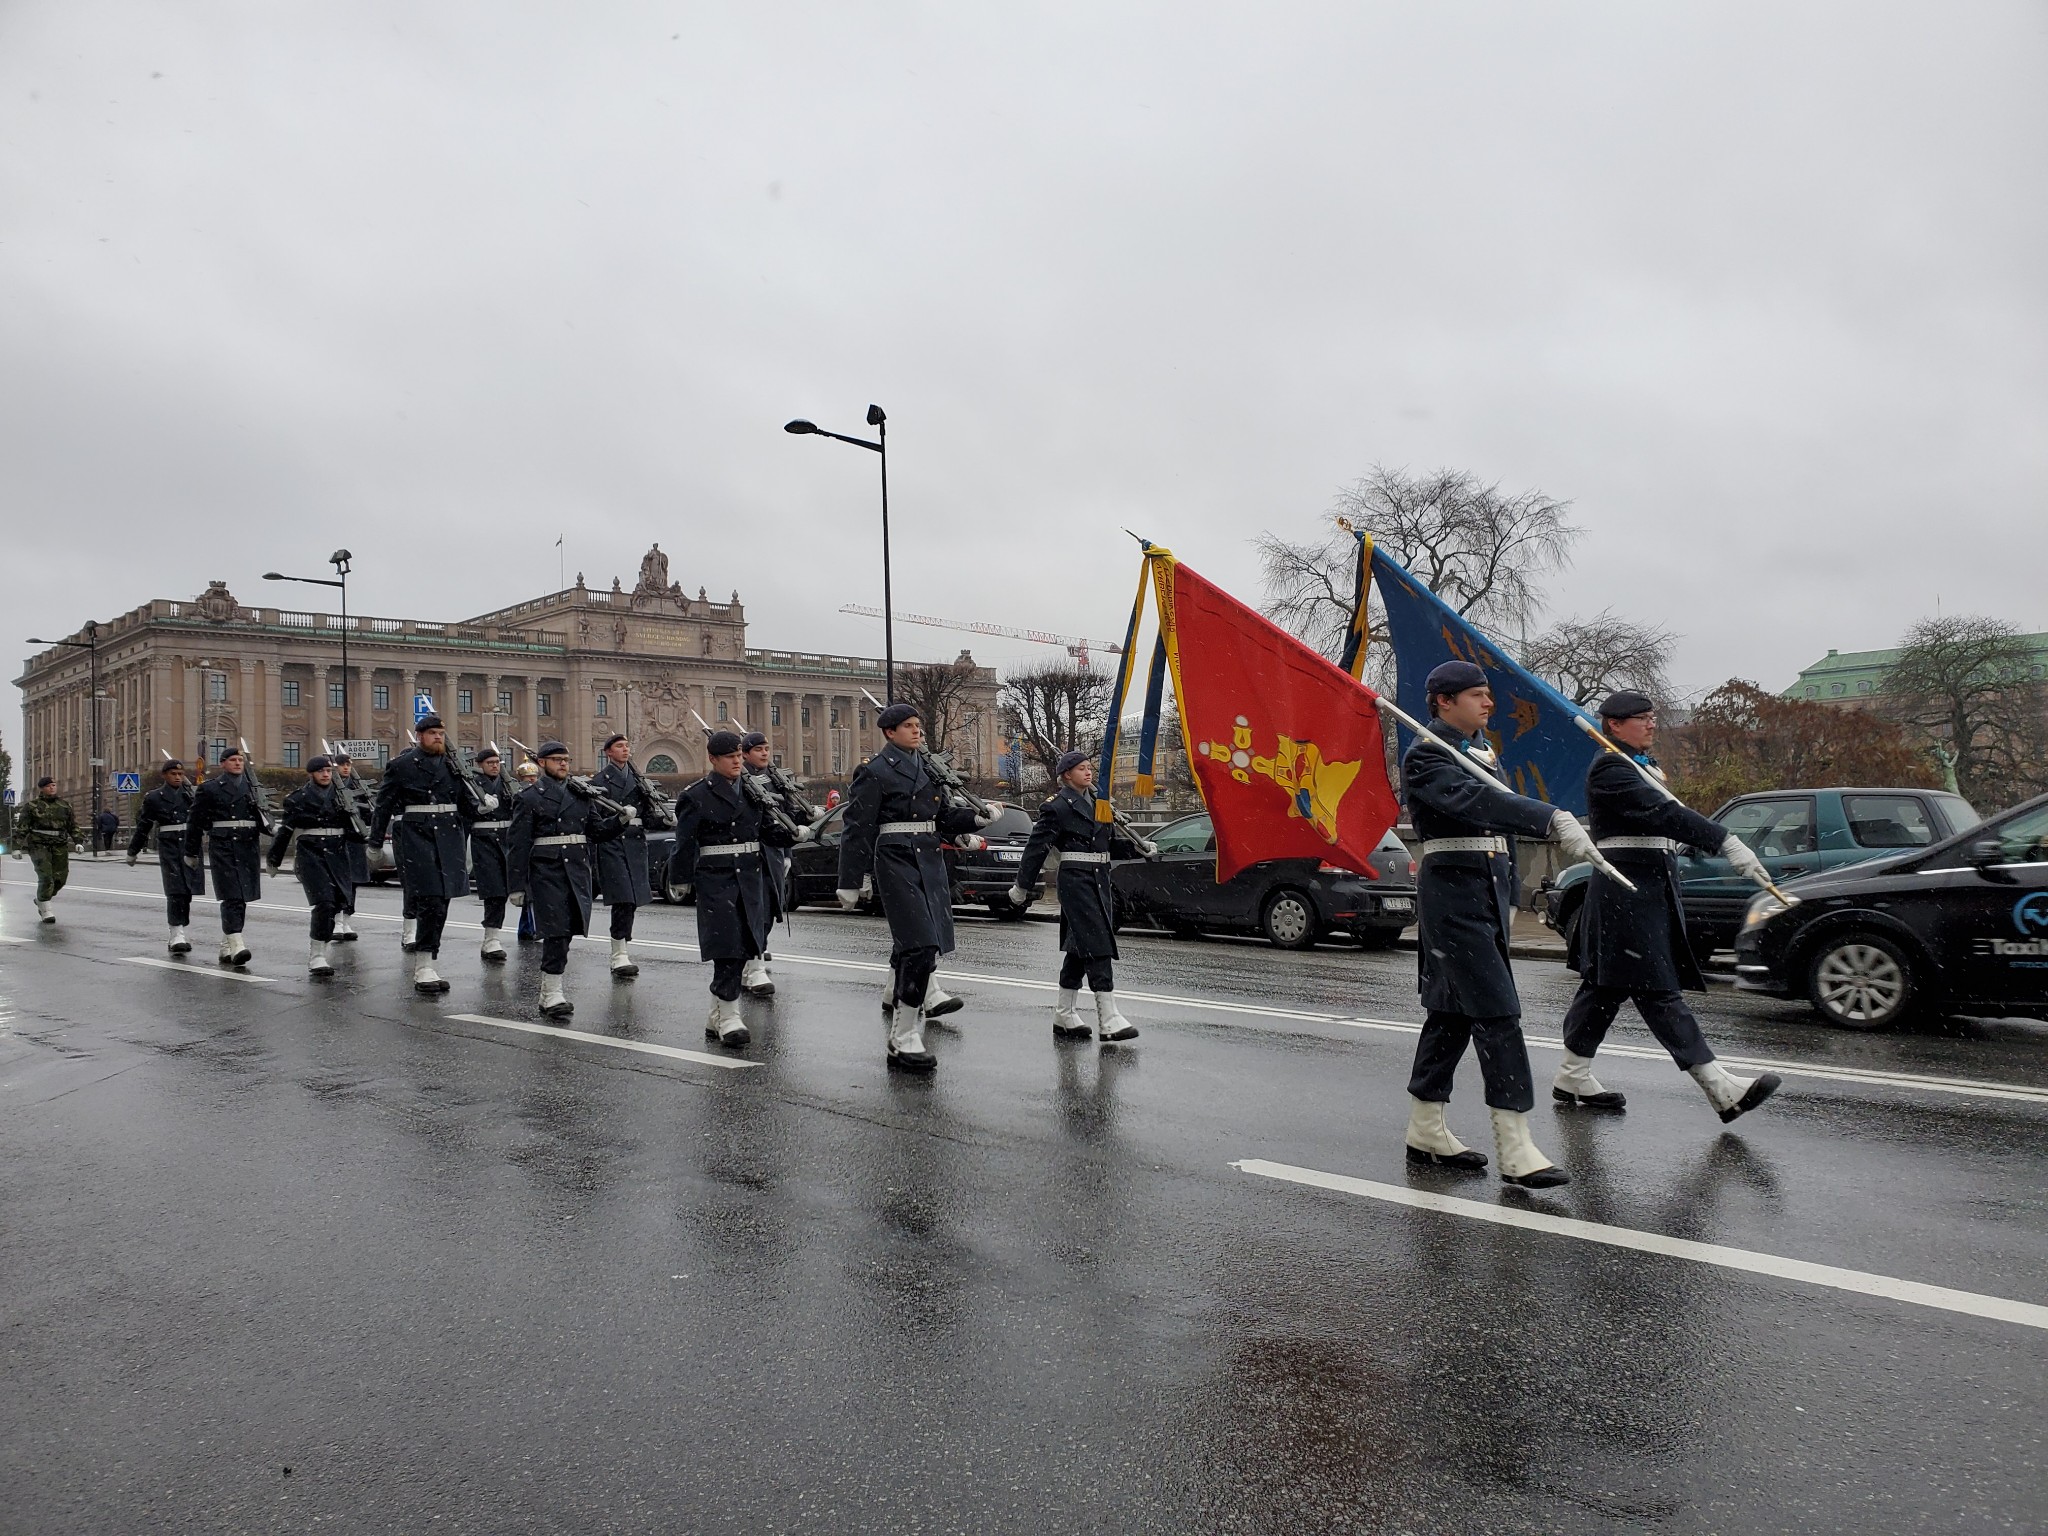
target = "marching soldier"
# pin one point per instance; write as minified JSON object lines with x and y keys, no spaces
{"x":45,"y":829}
{"x":895,"y":815}
{"x":622,"y":860}
{"x":523,"y":778}
{"x":430,"y":800}
{"x":550,"y":863}
{"x":722,"y":842}
{"x":357,"y":793}
{"x":1631,"y":946}
{"x":1466,"y":896}
{"x":322,"y":824}
{"x":760,"y":760}
{"x":228,"y":819}
{"x":487,"y":867}
{"x":1067,"y":825}
{"x":165,"y":811}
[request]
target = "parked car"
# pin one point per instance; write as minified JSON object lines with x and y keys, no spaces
{"x":1293,"y":902}
{"x":1795,"y":832}
{"x":978,"y":879}
{"x":1961,"y":927}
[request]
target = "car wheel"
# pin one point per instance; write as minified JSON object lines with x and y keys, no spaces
{"x":1289,"y":920}
{"x":671,"y":892}
{"x":1861,"y":981}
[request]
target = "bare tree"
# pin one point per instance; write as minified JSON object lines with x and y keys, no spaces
{"x":1743,"y":740}
{"x":1481,"y":550}
{"x":943,"y":694}
{"x":1967,"y":686}
{"x":1055,"y":707}
{"x":1587,"y":660}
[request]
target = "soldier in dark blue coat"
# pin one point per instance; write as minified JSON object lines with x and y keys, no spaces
{"x":1067,"y":825}
{"x":228,"y":820}
{"x":487,"y":868}
{"x":350,"y":785}
{"x":622,"y":860}
{"x":1631,"y":946}
{"x":896,"y":814}
{"x":1465,"y":896}
{"x":756,"y":980}
{"x":722,"y":842}
{"x":431,"y":804}
{"x":164,"y":812}
{"x":551,"y":857}
{"x":322,"y":826}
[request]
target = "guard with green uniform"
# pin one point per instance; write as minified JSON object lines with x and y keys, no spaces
{"x":45,"y":829}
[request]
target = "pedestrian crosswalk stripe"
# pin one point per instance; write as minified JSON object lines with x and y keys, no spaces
{"x":1887,"y":1287}
{"x":584,"y":1037}
{"x":186,"y":968}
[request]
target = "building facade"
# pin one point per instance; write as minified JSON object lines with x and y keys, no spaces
{"x":1857,"y":677}
{"x":182,"y":677}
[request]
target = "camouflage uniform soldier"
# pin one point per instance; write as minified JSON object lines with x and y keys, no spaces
{"x":45,"y":829}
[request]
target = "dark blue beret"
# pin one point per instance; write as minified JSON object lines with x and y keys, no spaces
{"x":317,"y":762}
{"x":896,"y":714}
{"x":752,"y":740}
{"x":1626,"y":704}
{"x":428,"y":723}
{"x":551,"y":749}
{"x":1452,"y":677}
{"x":1069,"y":761}
{"x":721,"y":744}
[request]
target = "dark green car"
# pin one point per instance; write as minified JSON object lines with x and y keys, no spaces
{"x":1795,"y":832}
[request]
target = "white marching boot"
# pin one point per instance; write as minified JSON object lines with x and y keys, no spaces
{"x":889,"y":994}
{"x":755,"y":980}
{"x":1430,"y":1141}
{"x":1575,"y":1084}
{"x":408,"y":934}
{"x":1520,"y":1162}
{"x":232,"y":950}
{"x":424,"y":977}
{"x":938,"y":1002}
{"x":344,"y":930}
{"x":1111,"y":1026}
{"x":725,"y":1025}
{"x":317,"y":963}
{"x":622,"y":963}
{"x":554,"y":1003}
{"x":180,"y":945}
{"x":1067,"y":1024}
{"x":43,"y":911}
{"x":494,"y":947}
{"x":906,"y":1041}
{"x":1730,"y":1095}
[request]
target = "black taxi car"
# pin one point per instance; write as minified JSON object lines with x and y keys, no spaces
{"x":1961,"y":927}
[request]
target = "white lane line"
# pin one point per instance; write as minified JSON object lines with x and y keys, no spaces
{"x":582,"y":1037}
{"x":219,"y":974}
{"x":1887,"y":1287}
{"x":1820,"y":1072}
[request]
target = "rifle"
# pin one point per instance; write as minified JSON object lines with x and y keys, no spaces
{"x":781,"y":782}
{"x":264,"y":818}
{"x":345,"y":796}
{"x":953,"y":786}
{"x":579,"y":784}
{"x":770,"y":808}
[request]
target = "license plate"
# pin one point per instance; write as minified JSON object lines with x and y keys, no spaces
{"x":1009,"y":855}
{"x":1396,"y":904}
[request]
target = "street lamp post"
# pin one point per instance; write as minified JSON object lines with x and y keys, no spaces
{"x":879,"y":420}
{"x":91,"y":646}
{"x":340,"y":560}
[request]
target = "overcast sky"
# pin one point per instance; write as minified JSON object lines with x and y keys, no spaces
{"x":1759,"y":289}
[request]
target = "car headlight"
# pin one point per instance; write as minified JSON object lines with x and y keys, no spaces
{"x":1762,"y":908}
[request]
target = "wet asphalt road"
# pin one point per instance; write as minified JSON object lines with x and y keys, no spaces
{"x":287,"y":1255}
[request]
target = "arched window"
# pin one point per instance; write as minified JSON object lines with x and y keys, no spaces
{"x":661,"y":762}
{"x":723,"y":712}
{"x":604,"y":706}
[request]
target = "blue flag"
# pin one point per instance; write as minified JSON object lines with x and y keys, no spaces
{"x":1542,"y":752}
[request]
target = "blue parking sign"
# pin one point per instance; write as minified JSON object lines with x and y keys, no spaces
{"x":422,"y":706}
{"x":127,"y":783}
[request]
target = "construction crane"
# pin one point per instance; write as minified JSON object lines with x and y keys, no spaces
{"x":1075,"y":646}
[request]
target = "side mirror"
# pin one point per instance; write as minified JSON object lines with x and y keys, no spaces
{"x":1987,"y":850}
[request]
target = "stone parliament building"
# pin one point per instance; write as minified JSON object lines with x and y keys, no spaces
{"x":579,"y":664}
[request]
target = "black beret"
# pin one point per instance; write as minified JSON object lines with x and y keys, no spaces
{"x":428,"y":723}
{"x":488,"y":753}
{"x":228,"y":752}
{"x":752,"y":740}
{"x":1626,"y":704}
{"x":896,"y":714}
{"x":1452,"y":677}
{"x":45,"y":782}
{"x":551,"y":749}
{"x":317,"y":762}
{"x":340,"y":756}
{"x":1069,"y":761}
{"x":721,"y":744}
{"x":616,"y":736}
{"x":169,"y":764}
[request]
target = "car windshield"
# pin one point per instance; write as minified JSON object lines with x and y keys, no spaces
{"x":1189,"y":836}
{"x":2023,"y":839}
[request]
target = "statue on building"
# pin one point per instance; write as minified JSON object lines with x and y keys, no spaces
{"x":653,"y":573}
{"x":217,"y":604}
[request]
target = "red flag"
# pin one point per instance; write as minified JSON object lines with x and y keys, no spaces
{"x":1285,"y":744}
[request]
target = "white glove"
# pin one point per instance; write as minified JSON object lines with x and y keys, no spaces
{"x":848,"y":899}
{"x":131,"y":861}
{"x":806,"y":835}
{"x":517,"y":898}
{"x":490,"y":802}
{"x":989,"y":821}
{"x":970,"y":842}
{"x":1746,"y":863}
{"x":1568,"y":834}
{"x":1019,"y":897}
{"x":1148,"y":848}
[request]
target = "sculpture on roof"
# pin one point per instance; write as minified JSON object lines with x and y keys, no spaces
{"x":653,"y":573}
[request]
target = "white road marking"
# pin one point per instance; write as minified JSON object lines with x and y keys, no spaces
{"x":221,"y":973}
{"x":1963,"y":1087}
{"x":583,"y":1037}
{"x":1887,"y":1287}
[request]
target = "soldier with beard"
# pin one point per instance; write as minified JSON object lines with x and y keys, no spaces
{"x":229,"y":820}
{"x":432,"y":803}
{"x":487,"y":867}
{"x":622,"y":861}
{"x":165,"y":811}
{"x":322,"y":825}
{"x":550,"y":861}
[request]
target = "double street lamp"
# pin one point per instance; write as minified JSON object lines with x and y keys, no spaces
{"x":879,"y":421}
{"x":340,"y":561}
{"x":91,"y":646}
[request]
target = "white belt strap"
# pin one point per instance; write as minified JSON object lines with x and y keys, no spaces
{"x":732,"y":848}
{"x":1084,"y":858}
{"x":1659,"y":844}
{"x":167,"y":831}
{"x":907,"y":828}
{"x":560,"y":840}
{"x":233,"y":826}
{"x":489,"y":826}
{"x":430,"y":810}
{"x":1464,"y":845}
{"x":319,"y":831}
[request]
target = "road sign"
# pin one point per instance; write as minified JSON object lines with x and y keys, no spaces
{"x":8,"y":798}
{"x":358,"y":751}
{"x":422,"y":706}
{"x":127,"y":783}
